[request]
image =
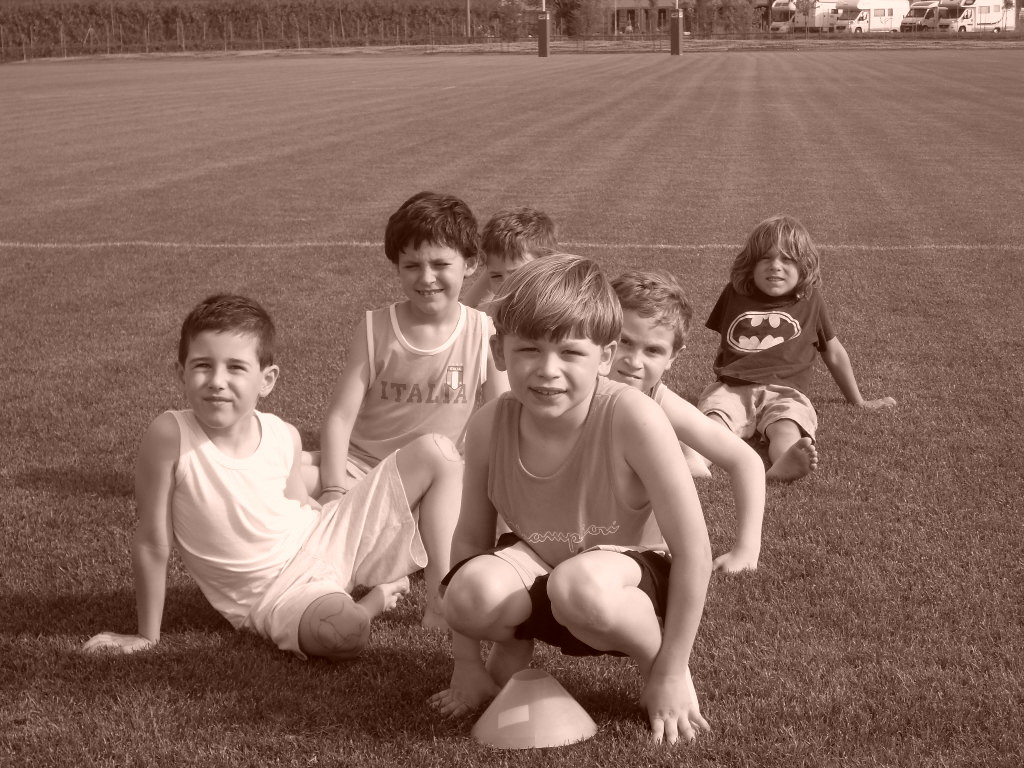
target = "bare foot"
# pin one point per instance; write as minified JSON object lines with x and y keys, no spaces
{"x":384,"y":597}
{"x":801,"y":459}
{"x":505,"y":659}
{"x":696,"y":463}
{"x":434,"y":619}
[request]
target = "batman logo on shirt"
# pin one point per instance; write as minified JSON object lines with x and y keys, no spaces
{"x":757,"y":331}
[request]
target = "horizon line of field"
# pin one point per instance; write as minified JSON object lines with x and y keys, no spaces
{"x":303,"y":245}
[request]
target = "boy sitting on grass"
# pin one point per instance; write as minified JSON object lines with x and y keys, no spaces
{"x":512,"y":238}
{"x":655,"y":322}
{"x":773,"y":323}
{"x":574,"y":464}
{"x":221,"y":481}
{"x":417,"y":367}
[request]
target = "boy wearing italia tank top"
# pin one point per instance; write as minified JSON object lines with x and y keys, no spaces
{"x":419,"y":366}
{"x":574,"y":464}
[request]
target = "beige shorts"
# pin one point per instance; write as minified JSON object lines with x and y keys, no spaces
{"x":750,"y":409}
{"x":367,"y":537}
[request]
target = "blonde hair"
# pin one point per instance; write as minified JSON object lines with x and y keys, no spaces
{"x":656,"y":295}
{"x":558,"y":297}
{"x":790,"y":238}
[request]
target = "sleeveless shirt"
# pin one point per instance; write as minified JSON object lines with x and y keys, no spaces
{"x":414,"y":392}
{"x":234,"y":528}
{"x":576,"y":507}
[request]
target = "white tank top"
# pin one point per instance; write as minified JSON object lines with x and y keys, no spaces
{"x":233,"y":525}
{"x":414,"y":392}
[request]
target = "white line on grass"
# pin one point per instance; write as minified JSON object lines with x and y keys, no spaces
{"x":93,"y":246}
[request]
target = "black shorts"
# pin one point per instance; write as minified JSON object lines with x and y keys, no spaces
{"x":541,"y":625}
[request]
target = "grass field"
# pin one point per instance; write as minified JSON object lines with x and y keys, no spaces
{"x":885,"y":624}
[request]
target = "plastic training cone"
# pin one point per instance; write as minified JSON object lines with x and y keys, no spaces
{"x":533,"y":710}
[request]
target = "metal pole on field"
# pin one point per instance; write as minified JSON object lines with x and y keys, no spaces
{"x":543,"y":30}
{"x":675,"y":31}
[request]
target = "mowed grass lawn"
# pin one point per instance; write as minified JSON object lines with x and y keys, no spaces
{"x":884,"y":625}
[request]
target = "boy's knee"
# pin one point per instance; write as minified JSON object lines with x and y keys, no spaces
{"x":434,"y":453}
{"x":334,"y":627}
{"x":475,"y":602}
{"x":580,"y":597}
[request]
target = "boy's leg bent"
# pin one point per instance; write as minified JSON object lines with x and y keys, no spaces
{"x":597,"y":596}
{"x":337,"y":628}
{"x":487,"y":597}
{"x":431,"y":471}
{"x":788,"y":421}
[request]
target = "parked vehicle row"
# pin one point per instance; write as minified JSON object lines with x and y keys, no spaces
{"x":867,"y":16}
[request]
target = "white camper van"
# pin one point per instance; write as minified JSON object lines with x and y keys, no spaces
{"x":924,"y":16}
{"x":971,"y":16}
{"x":821,"y":16}
{"x":781,"y":15}
{"x":874,"y":16}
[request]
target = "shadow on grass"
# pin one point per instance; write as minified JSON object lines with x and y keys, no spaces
{"x":90,"y":612}
{"x":84,"y":480}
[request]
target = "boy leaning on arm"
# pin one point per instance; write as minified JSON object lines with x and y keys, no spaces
{"x":220,"y":482}
{"x":574,"y":464}
{"x":655,"y":322}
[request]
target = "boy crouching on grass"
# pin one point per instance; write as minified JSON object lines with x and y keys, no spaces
{"x":574,"y":464}
{"x":221,"y":481}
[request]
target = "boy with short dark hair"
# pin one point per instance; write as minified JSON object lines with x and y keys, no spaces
{"x":513,"y":237}
{"x":574,"y":464}
{"x":221,"y":482}
{"x":419,"y":366}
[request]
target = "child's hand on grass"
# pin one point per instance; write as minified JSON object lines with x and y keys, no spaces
{"x":111,"y":641}
{"x":881,"y":402}
{"x":735,"y":561}
{"x":673,"y":709}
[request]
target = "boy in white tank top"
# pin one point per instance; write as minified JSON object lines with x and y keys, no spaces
{"x":221,"y":482}
{"x":574,"y":464}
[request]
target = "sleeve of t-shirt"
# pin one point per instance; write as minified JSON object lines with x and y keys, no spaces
{"x":715,"y":318}
{"x":825,"y":331}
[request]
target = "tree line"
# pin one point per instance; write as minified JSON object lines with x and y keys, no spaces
{"x":54,"y":28}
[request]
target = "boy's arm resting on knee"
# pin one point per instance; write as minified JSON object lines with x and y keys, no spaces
{"x":652,"y":450}
{"x":837,"y":360}
{"x":336,"y":430}
{"x":151,"y":544}
{"x":746,"y":476}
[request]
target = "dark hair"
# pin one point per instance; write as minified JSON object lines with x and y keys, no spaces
{"x":435,"y":218}
{"x":515,"y":232}
{"x":228,"y":313}
{"x":558,"y":297}
{"x":656,"y":295}
{"x":790,"y":238}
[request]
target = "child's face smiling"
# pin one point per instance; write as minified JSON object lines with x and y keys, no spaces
{"x":431,"y":277}
{"x":553,"y":379}
{"x":644,"y":352}
{"x":776,"y":274}
{"x":223,"y":380}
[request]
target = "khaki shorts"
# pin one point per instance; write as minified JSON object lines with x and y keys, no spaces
{"x":367,"y":537}
{"x":750,"y":409}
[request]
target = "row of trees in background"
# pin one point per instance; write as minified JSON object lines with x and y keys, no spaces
{"x":39,"y":28}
